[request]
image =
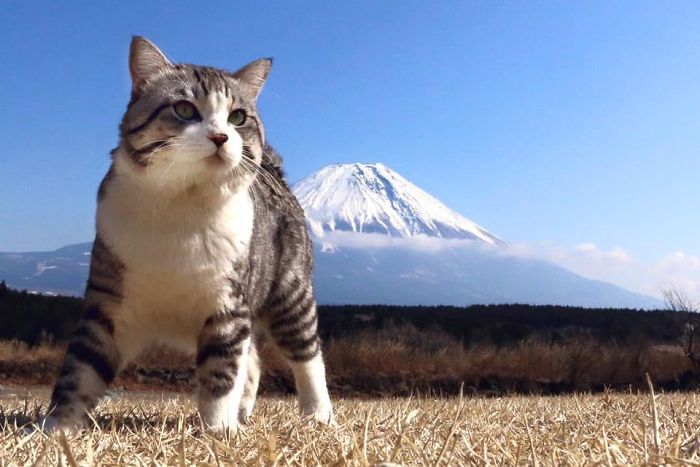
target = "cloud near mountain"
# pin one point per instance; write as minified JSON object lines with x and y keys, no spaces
{"x":618,"y":266}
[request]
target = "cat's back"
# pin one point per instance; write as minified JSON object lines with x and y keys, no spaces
{"x":280,"y":246}
{"x":272,"y":197}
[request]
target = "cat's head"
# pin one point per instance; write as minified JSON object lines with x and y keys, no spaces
{"x":190,"y":125}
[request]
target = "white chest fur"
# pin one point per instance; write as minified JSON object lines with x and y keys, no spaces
{"x":179,"y":256}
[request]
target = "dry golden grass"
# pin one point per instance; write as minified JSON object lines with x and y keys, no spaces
{"x":143,"y":428}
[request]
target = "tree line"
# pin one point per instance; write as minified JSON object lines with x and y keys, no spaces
{"x":33,"y":318}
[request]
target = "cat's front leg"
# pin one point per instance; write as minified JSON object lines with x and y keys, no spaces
{"x":98,"y":347}
{"x":92,"y":360}
{"x":222,"y":357}
{"x":250,"y":392}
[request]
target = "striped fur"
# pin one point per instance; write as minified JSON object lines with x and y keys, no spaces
{"x":198,"y":244}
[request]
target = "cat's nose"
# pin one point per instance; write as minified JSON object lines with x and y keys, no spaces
{"x":218,"y":138}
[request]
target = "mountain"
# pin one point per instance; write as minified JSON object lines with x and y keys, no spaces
{"x":63,"y":271}
{"x":371,"y":198}
{"x":380,"y":239}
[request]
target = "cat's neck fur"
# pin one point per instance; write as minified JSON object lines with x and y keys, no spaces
{"x":193,"y":230}
{"x":138,"y":193}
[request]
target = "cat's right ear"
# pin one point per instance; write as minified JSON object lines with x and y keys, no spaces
{"x":145,"y":60}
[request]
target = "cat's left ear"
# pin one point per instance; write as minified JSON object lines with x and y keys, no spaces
{"x":145,"y":60}
{"x":254,"y":74}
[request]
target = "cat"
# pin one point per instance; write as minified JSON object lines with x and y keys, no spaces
{"x":199,"y":243}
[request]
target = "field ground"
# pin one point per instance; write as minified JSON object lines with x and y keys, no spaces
{"x":163,"y":429}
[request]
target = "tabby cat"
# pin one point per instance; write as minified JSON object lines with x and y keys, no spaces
{"x":199,"y":243}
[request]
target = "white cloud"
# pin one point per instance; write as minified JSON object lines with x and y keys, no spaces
{"x":615,"y":265}
{"x":618,"y":266}
{"x":331,"y":240}
{"x":682,"y":271}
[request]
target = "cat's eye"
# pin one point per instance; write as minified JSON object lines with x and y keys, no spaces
{"x":237,"y":117}
{"x":185,"y":110}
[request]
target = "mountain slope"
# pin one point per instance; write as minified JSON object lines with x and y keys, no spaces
{"x":457,"y":276}
{"x":392,"y":276}
{"x":63,"y":271}
{"x":371,"y":198}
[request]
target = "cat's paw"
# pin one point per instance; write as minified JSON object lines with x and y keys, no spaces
{"x":50,"y":425}
{"x":322,"y":414}
{"x":245,"y":411}
{"x":222,"y":427}
{"x":221,"y":423}
{"x":244,"y":415}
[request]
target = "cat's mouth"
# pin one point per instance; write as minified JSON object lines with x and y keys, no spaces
{"x":217,"y":158}
{"x":222,"y":160}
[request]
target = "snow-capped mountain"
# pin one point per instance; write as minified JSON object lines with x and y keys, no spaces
{"x":344,"y":203}
{"x":371,"y":198}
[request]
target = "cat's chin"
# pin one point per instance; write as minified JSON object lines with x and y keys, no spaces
{"x":221,"y":161}
{"x":217,"y":158}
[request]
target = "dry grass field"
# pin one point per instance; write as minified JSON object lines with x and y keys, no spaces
{"x":154,"y":429}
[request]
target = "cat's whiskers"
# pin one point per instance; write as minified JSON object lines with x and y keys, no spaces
{"x":265,"y":176}
{"x":174,"y":160}
{"x":258,"y":200}
{"x":148,"y":157}
{"x":166,"y":171}
{"x":172,"y":143}
{"x":148,"y":174}
{"x":256,"y":188}
{"x":270,"y":181}
{"x":167,"y":143}
{"x":240,"y":172}
{"x":274,"y":183}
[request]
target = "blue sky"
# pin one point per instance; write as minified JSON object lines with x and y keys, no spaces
{"x":546,"y":122}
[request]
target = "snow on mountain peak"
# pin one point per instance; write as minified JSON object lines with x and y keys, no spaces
{"x":371,"y":198}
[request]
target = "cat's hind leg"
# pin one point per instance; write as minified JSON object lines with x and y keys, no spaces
{"x":292,"y":322}
{"x":222,"y":359}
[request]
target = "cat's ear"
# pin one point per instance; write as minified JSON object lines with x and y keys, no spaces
{"x":145,"y":60}
{"x":254,"y":74}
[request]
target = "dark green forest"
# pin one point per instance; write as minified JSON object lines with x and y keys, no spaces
{"x":33,"y":318}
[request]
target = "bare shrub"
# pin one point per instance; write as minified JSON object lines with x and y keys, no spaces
{"x":399,"y":351}
{"x":399,"y":359}
{"x":676,"y":299}
{"x":664,"y":362}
